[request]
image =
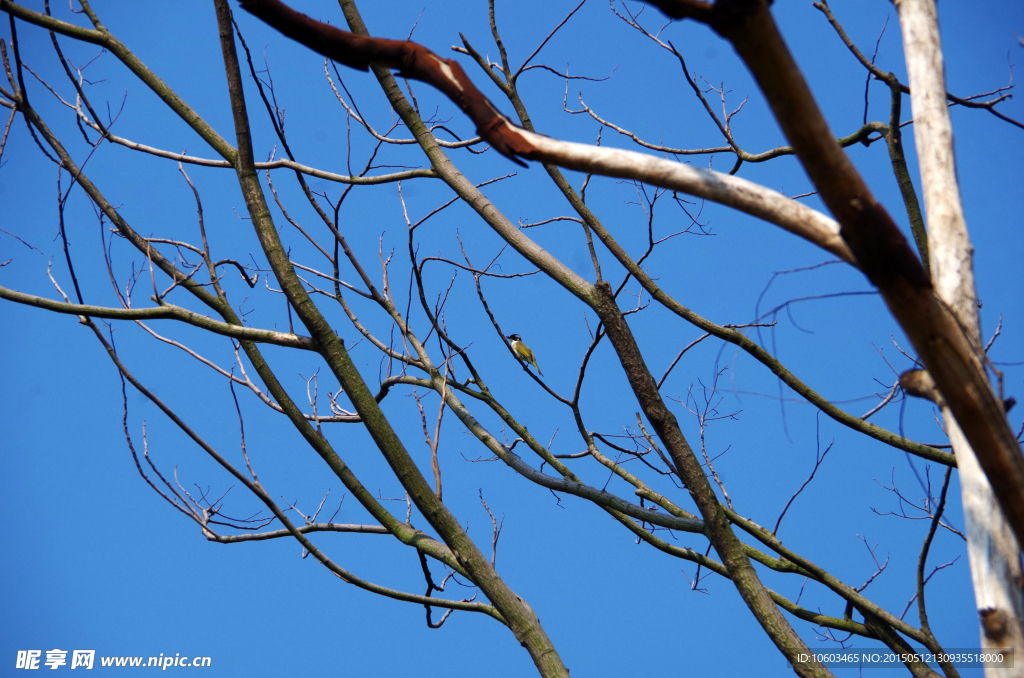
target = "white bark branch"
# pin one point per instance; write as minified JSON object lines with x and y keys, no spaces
{"x":992,"y":548}
{"x":725,"y":189}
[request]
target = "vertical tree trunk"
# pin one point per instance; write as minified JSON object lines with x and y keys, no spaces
{"x":992,"y":548}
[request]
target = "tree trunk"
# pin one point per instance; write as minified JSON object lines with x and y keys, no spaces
{"x":992,"y":548}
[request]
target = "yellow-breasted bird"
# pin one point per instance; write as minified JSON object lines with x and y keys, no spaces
{"x":524,"y":352}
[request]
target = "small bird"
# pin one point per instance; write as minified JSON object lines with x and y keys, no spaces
{"x":524,"y":352}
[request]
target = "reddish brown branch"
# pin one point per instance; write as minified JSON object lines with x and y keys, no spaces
{"x":412,"y":60}
{"x":513,"y":141}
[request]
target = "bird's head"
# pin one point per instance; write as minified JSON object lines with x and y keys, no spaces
{"x":514,"y":337}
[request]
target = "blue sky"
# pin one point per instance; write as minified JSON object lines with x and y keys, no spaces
{"x":96,"y":560}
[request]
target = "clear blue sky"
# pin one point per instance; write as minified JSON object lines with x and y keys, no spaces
{"x":94,"y":559}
